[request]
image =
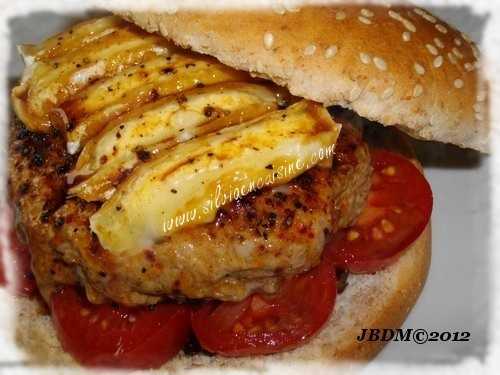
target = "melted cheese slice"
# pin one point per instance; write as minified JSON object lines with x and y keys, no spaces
{"x":142,"y":134}
{"x":185,"y":185}
{"x":84,"y":78}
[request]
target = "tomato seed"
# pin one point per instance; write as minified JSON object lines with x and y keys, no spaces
{"x":270,"y":326}
{"x":377,"y":234}
{"x":84,"y":312}
{"x":104,"y":324}
{"x":352,"y":235}
{"x":387,"y":226}
{"x":389,"y":171}
{"x":255,"y":329}
{"x":238,"y":328}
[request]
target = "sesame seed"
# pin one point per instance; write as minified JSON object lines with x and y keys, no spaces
{"x":419,"y":11}
{"x":458,"y":42}
{"x":331,"y":51}
{"x":365,"y":58}
{"x":452,"y":58}
{"x":340,"y":15}
{"x":466,"y":37}
{"x":429,"y":18}
{"x":425,"y":15}
{"x":355,"y":93}
{"x":457,"y":53}
{"x":438,"y":43}
{"x":477,"y":107}
{"x":367,"y":13}
{"x":418,"y":90}
{"x":406,"y":36}
{"x":419,"y":69}
{"x":409,"y":25}
{"x":481,"y":96}
{"x":364,"y":20}
{"x":380,"y":63}
{"x":479,"y":116}
{"x":433,"y":50}
{"x":268,"y":40}
{"x":441,"y":28}
{"x":469,"y":67}
{"x":475,"y":51}
{"x":394,"y":15}
{"x":388,"y":92}
{"x":458,"y":83}
{"x":279,"y":9}
{"x":438,"y":62}
{"x":309,"y":50}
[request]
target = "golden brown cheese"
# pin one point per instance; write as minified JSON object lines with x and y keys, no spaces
{"x":197,"y":177}
{"x":160,"y":125}
{"x":85,"y":77}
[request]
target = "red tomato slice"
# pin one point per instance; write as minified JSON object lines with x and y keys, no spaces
{"x":263,"y":324}
{"x":120,"y":337}
{"x":398,"y":209}
{"x":19,"y":254}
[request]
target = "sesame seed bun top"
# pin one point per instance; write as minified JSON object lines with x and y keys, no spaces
{"x":396,"y":65}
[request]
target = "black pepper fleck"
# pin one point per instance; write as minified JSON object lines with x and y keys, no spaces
{"x":208,"y":111}
{"x":143,"y":155}
{"x":44,"y":217}
{"x":168,"y":70}
{"x":59,"y":222}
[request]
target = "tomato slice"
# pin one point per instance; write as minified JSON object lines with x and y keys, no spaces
{"x":264,"y":324}
{"x":119,"y":337}
{"x":19,"y":254}
{"x":398,"y":209}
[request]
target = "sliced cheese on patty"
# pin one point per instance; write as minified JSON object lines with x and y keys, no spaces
{"x":193,"y":179}
{"x":142,"y":134}
{"x":82,"y":79}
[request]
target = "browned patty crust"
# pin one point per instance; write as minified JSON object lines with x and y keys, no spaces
{"x":254,"y":241}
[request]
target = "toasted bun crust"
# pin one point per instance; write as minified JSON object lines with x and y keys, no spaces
{"x":398,"y":66}
{"x":382,"y":300}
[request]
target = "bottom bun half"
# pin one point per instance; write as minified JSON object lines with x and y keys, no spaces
{"x":380,"y":300}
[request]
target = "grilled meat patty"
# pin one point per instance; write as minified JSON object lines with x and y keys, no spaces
{"x":254,"y":241}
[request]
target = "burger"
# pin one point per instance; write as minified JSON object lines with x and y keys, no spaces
{"x":216,"y":188}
